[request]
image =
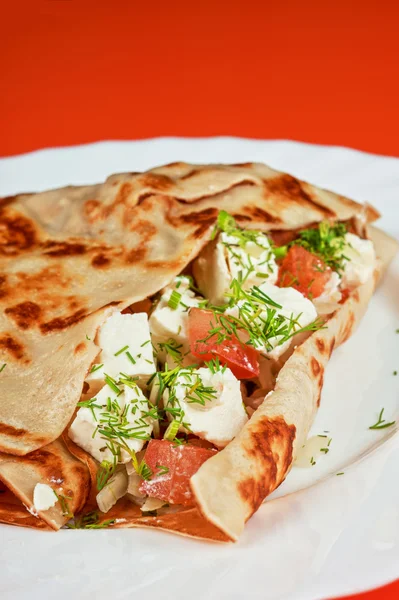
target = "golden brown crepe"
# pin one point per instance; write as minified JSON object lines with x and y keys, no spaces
{"x":53,"y":465}
{"x":69,"y":256}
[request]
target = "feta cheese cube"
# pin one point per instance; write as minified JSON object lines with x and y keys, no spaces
{"x":167,"y":323}
{"x":328,"y":301}
{"x":111,"y":417}
{"x":43,"y":497}
{"x":228,"y":259}
{"x":125,"y":344}
{"x":361,"y":261}
{"x":221,"y":416}
{"x":293,"y":306}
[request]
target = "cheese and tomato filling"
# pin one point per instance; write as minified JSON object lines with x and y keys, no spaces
{"x":169,"y":322}
{"x":115,"y":422}
{"x":360,"y":263}
{"x":208,"y":403}
{"x":274,"y":322}
{"x":234,"y":256}
{"x":322,"y":269}
{"x":125,"y":344}
{"x":259,"y":305}
{"x":171,"y":467}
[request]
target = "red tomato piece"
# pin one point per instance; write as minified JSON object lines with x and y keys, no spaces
{"x":344,"y":296}
{"x":304,"y":271}
{"x":239,"y":357}
{"x":181,"y":462}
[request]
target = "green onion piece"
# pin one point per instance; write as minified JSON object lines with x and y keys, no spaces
{"x":225,"y":221}
{"x":3,"y":367}
{"x":130,"y":357}
{"x":121,"y":350}
{"x":171,"y":431}
{"x":144,"y":471}
{"x":112,"y":383}
{"x":174,"y":300}
{"x":280,"y":252}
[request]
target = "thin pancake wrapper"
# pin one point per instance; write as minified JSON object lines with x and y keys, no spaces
{"x":72,"y":255}
{"x":68,"y":256}
{"x":232,"y":485}
{"x":53,"y":465}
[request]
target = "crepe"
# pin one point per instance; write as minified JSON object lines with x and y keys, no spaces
{"x":53,"y":465}
{"x":71,"y":256}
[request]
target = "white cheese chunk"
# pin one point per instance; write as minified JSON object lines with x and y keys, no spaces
{"x":361,"y":261}
{"x":125,"y":344}
{"x":212,"y":273}
{"x":255,"y":260}
{"x":167,"y":323}
{"x":222,"y":416}
{"x":124,"y":413}
{"x":43,"y":497}
{"x":294,"y":306}
{"x":328,"y":301}
{"x":226,"y":259}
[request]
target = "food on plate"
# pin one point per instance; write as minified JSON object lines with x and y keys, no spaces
{"x":163,"y":342}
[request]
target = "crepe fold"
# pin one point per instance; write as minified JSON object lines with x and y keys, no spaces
{"x":71,"y":256}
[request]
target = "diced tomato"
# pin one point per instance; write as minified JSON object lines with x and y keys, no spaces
{"x":239,"y":357}
{"x":344,"y":296}
{"x":304,"y":271}
{"x":172,"y":467}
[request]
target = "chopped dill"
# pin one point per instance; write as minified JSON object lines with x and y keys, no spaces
{"x":326,"y":241}
{"x":381,"y":423}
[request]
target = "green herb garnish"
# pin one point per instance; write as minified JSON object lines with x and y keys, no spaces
{"x":63,"y":500}
{"x":89,"y":521}
{"x":171,"y":431}
{"x":280,"y":251}
{"x":142,"y":469}
{"x":105,"y":472}
{"x":121,"y":350}
{"x":326,"y":241}
{"x":174,"y":300}
{"x":172,"y":348}
{"x":162,"y":470}
{"x":130,"y":357}
{"x":381,"y":423}
{"x":110,"y":381}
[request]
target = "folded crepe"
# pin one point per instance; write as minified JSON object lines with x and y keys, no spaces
{"x":70,"y":256}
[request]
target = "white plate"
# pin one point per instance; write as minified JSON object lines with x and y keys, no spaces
{"x":339,"y":535}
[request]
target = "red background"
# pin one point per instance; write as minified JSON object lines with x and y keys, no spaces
{"x":75,"y":71}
